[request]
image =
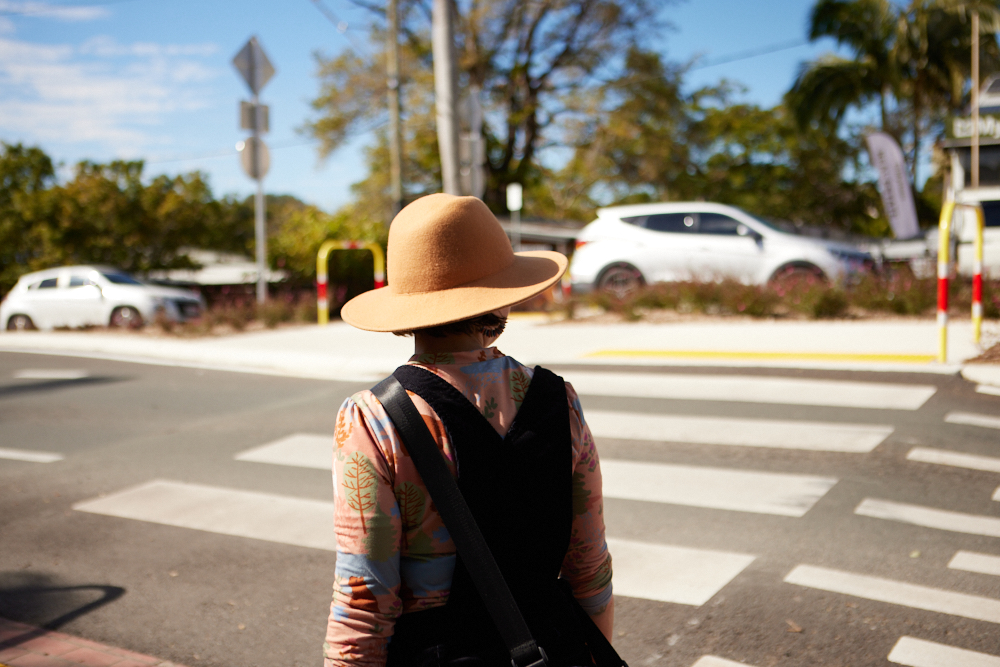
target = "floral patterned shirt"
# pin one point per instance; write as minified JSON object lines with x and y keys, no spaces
{"x":394,"y":554}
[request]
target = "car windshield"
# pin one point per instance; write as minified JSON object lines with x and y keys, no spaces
{"x":121,"y":279}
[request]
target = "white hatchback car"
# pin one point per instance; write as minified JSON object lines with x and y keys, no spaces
{"x":76,"y":296}
{"x":628,"y":246}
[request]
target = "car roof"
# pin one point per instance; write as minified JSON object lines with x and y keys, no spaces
{"x":663,"y":207}
{"x":55,"y":271}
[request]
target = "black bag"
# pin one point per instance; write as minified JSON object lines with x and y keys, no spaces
{"x":576,"y":624}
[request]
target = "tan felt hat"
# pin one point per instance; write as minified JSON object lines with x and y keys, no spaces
{"x":449,"y":260}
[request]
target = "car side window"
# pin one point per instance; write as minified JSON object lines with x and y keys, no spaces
{"x":48,"y":283}
{"x":672,"y":222}
{"x":716,"y":223}
{"x":79,"y":281}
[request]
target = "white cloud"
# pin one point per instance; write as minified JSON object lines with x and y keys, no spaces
{"x":114,"y":95}
{"x":48,"y":10}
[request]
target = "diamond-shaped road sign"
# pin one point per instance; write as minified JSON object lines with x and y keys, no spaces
{"x":253,"y":65}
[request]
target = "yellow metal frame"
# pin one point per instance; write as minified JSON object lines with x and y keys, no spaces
{"x":323,"y":274}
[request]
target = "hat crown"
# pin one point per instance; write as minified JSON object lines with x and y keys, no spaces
{"x":442,"y":241}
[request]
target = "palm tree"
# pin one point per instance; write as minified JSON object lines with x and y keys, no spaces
{"x":914,"y":61}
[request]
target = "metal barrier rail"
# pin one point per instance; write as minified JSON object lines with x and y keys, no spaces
{"x":323,"y":274}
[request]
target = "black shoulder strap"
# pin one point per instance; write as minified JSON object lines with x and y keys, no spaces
{"x":469,"y":541}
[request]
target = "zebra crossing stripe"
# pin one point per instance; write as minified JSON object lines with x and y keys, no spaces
{"x":974,"y":562}
{"x":988,"y":389}
{"x":896,"y":592}
{"x":915,"y":652}
{"x":262,"y":516}
{"x":743,"y":388}
{"x":972,"y":419}
{"x":812,"y":436}
{"x":782,"y":494}
{"x":957,"y":522}
{"x":659,"y":572}
{"x":957,"y":459}
{"x":712,"y":661}
{"x":30,"y":456}
{"x":667,"y":573}
{"x":303,"y":450}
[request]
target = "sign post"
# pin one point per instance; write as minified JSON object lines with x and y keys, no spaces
{"x":514,"y":206}
{"x":255,"y":68}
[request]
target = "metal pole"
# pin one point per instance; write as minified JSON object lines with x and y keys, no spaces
{"x":445,"y":95}
{"x":975,"y":100}
{"x":259,"y":227}
{"x":944,"y":243}
{"x":395,"y":129}
{"x":515,"y":230}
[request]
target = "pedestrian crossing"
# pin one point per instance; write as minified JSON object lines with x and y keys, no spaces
{"x":675,"y":573}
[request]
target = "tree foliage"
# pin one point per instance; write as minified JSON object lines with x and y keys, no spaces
{"x":528,"y":57}
{"x":912,"y":60}
{"x":110,"y":214}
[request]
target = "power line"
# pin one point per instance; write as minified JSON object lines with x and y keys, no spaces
{"x":752,"y":53}
{"x":227,"y":153}
{"x":342,"y":26}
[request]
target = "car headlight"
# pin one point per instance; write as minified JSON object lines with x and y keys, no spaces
{"x":854,"y":259}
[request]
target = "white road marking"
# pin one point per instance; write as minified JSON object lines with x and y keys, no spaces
{"x":972,"y":419}
{"x":712,"y":661}
{"x":988,"y":389}
{"x":996,"y":494}
{"x":915,"y":652}
{"x":717,"y":488}
{"x":929,"y":517}
{"x":970,"y":561}
{"x":672,"y":574}
{"x":896,"y":592}
{"x":28,"y":455}
{"x":303,"y":450}
{"x":948,"y":458}
{"x":262,"y":516}
{"x":814,"y":436}
{"x":742,"y":388}
{"x":50,"y":374}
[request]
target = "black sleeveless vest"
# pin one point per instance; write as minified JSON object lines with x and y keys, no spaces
{"x":519,"y":488}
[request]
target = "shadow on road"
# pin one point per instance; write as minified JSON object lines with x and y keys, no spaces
{"x":37,"y":599}
{"x":13,"y":390}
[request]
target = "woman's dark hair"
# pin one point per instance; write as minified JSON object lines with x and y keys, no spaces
{"x":466,"y":327}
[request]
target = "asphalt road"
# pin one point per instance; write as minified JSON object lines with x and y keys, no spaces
{"x":856,"y":579}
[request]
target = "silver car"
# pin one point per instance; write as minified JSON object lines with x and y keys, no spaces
{"x":628,"y":246}
{"x":77,"y":296}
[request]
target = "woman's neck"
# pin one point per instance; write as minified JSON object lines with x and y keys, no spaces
{"x":426,"y":344}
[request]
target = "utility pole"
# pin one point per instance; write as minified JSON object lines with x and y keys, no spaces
{"x":445,"y":97}
{"x":975,"y":100}
{"x":395,"y":129}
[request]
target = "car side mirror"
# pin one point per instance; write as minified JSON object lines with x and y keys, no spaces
{"x":743,"y":230}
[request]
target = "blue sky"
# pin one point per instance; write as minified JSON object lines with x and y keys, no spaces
{"x":152,"y":79}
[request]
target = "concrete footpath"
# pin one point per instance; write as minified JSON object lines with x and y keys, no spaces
{"x":27,"y":646}
{"x":340,"y":352}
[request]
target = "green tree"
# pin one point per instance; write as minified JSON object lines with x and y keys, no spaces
{"x":913,"y":61}
{"x":527,"y":56}
{"x":26,"y":226}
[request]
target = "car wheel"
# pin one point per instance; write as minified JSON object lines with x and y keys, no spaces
{"x":796,"y":274}
{"x":20,"y":323}
{"x":125,"y":317}
{"x":621,"y":280}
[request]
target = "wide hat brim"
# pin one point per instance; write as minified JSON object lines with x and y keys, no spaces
{"x":531,"y":273}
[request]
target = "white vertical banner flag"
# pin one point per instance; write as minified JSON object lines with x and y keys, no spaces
{"x":893,"y":184}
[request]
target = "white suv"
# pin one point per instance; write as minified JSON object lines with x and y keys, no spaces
{"x":75,"y":296}
{"x":628,"y":246}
